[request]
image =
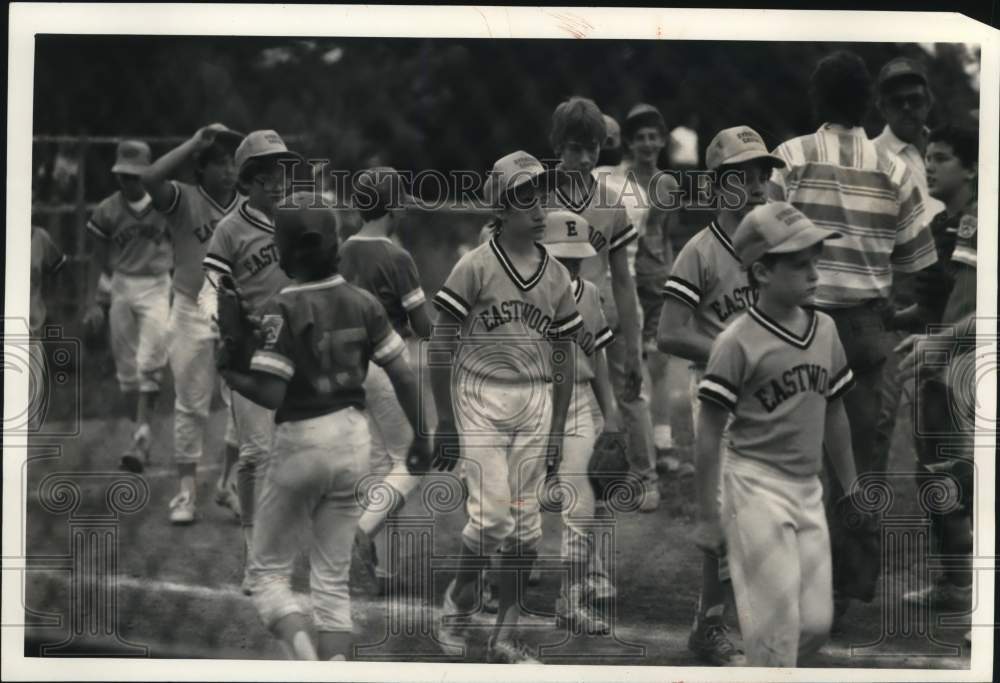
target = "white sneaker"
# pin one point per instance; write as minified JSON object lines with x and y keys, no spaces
{"x":650,"y":497}
{"x":182,"y":508}
{"x":663,"y":437}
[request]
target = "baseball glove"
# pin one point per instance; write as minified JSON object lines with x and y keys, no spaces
{"x":237,"y":331}
{"x":856,"y":544}
{"x":610,"y":475}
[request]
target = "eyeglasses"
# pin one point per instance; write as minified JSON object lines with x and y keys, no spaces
{"x":912,"y":101}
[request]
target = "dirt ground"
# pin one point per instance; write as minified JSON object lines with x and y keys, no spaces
{"x":174,"y":591}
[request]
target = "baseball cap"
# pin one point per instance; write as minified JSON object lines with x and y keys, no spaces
{"x":512,"y":171}
{"x":381,"y":186}
{"x":613,"y":136}
{"x":776,"y":228}
{"x":898,"y":68}
{"x":304,"y":213}
{"x":567,"y":235}
{"x":262,"y":143}
{"x":736,"y":145}
{"x":133,"y":157}
{"x":641,"y":115}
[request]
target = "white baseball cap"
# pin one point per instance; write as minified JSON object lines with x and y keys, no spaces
{"x":776,"y":228}
{"x":259,"y":144}
{"x":133,"y":157}
{"x":567,"y":235}
{"x":736,"y":145}
{"x":512,"y":171}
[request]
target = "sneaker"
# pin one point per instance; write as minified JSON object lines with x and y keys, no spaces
{"x":650,"y":497}
{"x":663,"y":437}
{"x":942,"y":595}
{"x":599,"y":589}
{"x":509,"y":651}
{"x":182,"y":508}
{"x":226,"y":497}
{"x":573,"y":612}
{"x":454,"y":629}
{"x":710,"y":641}
{"x":136,"y":457}
{"x":337,"y":658}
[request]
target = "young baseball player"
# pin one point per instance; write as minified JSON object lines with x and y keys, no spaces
{"x":242,"y":247}
{"x":706,"y":291}
{"x":576,"y":135}
{"x":135,"y":255}
{"x":320,"y":334}
{"x":781,"y":371}
{"x":47,"y":259}
{"x":593,"y":409}
{"x":370,"y":260}
{"x":506,"y":310}
{"x":192,"y":212}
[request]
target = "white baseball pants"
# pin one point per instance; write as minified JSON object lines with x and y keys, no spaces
{"x":138,"y":318}
{"x":192,"y":362}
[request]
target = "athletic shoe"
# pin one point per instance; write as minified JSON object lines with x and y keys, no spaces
{"x":226,"y":496}
{"x":710,"y":641}
{"x":337,"y":658}
{"x":573,"y":612}
{"x":182,"y":508}
{"x":509,"y":651}
{"x":136,"y":457}
{"x":663,"y":437}
{"x":455,"y":623}
{"x":650,"y":497}
{"x":599,"y":589}
{"x":942,"y":595}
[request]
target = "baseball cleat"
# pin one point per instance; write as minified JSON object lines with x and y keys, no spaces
{"x":574,"y":613}
{"x":509,"y":651}
{"x":182,"y":508}
{"x":599,"y":589}
{"x":942,"y":595}
{"x":663,"y":437}
{"x":650,"y":497}
{"x":226,"y":497}
{"x":710,"y":641}
{"x":136,"y":457}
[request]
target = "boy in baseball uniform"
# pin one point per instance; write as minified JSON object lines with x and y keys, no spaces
{"x":706,"y":291}
{"x":781,"y":372}
{"x":192,"y":212}
{"x":577,"y":132}
{"x":135,"y":257}
{"x":593,"y":409}
{"x":320,"y":334}
{"x":370,"y":260}
{"x":242,"y":247}
{"x":506,"y":314}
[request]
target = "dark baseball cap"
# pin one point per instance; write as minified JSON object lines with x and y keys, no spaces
{"x":307,"y":213}
{"x":381,"y":186}
{"x":642,"y":115}
{"x":901,"y":67}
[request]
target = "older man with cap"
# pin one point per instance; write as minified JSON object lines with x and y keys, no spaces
{"x":840,"y":180}
{"x":135,"y":257}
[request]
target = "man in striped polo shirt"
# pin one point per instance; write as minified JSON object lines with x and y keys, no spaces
{"x":841,"y":181}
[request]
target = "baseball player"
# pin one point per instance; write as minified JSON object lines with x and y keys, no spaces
{"x":242,"y":247}
{"x":706,"y":291}
{"x":593,"y":409}
{"x":135,"y":257}
{"x":192,"y":212}
{"x":577,"y":132}
{"x":506,"y":310}
{"x":47,"y":259}
{"x":370,"y":260}
{"x":781,"y":371}
{"x":320,"y":333}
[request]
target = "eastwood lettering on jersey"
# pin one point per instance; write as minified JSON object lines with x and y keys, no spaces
{"x":204,"y":232}
{"x":143,"y":230}
{"x":265,"y":256}
{"x":743,"y":298}
{"x":802,"y":377}
{"x":515,"y":311}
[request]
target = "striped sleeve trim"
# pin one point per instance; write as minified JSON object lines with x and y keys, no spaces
{"x":841,"y":384}
{"x":273,"y":364}
{"x":566,"y":327}
{"x":963,"y":254}
{"x":604,"y":337}
{"x":414,"y":299}
{"x":718,"y":391}
{"x":452,"y":303}
{"x":391,"y":346}
{"x":93,"y":227}
{"x":58,"y":265}
{"x":175,"y":198}
{"x":683,"y":291}
{"x":217,"y":263}
{"x":623,"y":238}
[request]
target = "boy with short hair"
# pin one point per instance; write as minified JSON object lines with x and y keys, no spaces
{"x":781,"y":371}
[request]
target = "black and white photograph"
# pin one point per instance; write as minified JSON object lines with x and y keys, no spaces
{"x":506,"y":343}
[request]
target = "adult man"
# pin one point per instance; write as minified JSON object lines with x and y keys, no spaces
{"x":841,"y":181}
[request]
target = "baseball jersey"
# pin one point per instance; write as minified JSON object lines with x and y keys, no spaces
{"x":842,"y":181}
{"x":378,"y":265}
{"x":505,"y":318}
{"x":242,"y":246}
{"x":610,"y":230}
{"x":319,"y":337}
{"x":192,"y":216}
{"x":709,"y":278}
{"x":777,"y":386}
{"x":962,"y":300}
{"x":138,"y":236}
{"x":594,"y":334}
{"x":634,"y":200}
{"x":46,"y":260}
